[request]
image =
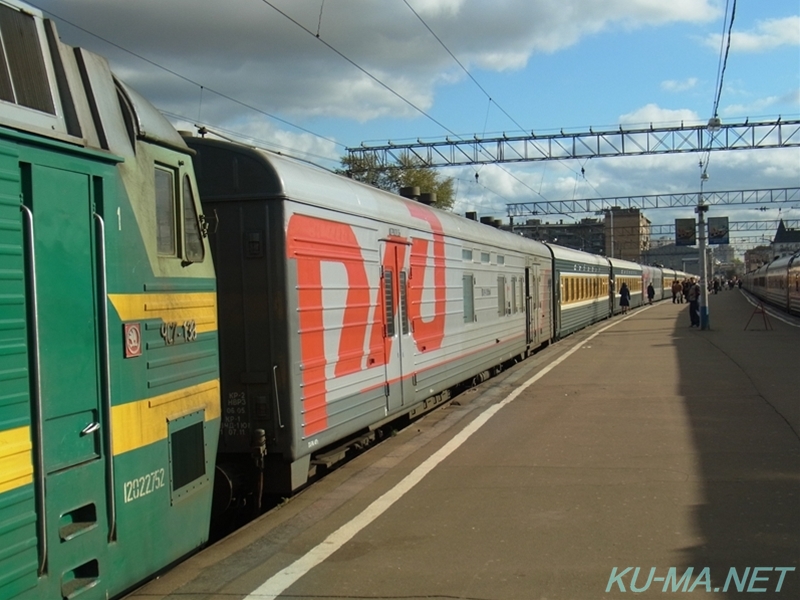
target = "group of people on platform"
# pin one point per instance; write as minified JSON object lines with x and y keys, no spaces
{"x":687,"y":290}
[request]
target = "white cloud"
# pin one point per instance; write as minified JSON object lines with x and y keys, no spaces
{"x":652,"y":113}
{"x":436,"y":7}
{"x":249,"y":51}
{"x":760,"y":105}
{"x":767,"y":35}
{"x":670,"y":85}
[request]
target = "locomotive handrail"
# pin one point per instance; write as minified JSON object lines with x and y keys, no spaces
{"x":106,"y":369}
{"x":41,"y":522}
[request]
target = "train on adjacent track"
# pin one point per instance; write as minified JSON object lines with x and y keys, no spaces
{"x":188,"y":322}
{"x":777,"y":282}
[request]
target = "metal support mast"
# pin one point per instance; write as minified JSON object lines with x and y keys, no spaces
{"x":701,"y":209}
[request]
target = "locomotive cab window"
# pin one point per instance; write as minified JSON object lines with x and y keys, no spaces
{"x":23,"y":76}
{"x":193,"y":250}
{"x":165,"y":212}
{"x":177,"y":238}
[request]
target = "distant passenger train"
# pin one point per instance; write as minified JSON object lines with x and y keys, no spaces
{"x":126,"y":359}
{"x":777,"y":282}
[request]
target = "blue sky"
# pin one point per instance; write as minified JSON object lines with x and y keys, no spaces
{"x":549,"y":64}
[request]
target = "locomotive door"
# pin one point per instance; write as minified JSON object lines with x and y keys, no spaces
{"x":397,"y":340}
{"x":69,"y":472}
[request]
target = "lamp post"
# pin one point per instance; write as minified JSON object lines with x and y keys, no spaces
{"x":701,"y":209}
{"x":714,"y":125}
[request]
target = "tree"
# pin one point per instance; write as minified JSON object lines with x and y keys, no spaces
{"x":409,"y":172}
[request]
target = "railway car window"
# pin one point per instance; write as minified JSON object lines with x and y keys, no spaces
{"x":513,"y":294}
{"x":388,"y":302}
{"x":193,"y":238}
{"x":466,"y":254}
{"x":403,"y":307}
{"x":468,"y":283}
{"x":23,"y":78}
{"x":165,"y":212}
{"x":501,"y":296}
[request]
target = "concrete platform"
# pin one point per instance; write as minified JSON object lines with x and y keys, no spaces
{"x":638,"y":443}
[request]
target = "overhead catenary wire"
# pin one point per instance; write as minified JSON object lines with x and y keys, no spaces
{"x":724,"y":51}
{"x":485,"y":92}
{"x":723,"y":59}
{"x":381,"y":83}
{"x":239,"y":137}
{"x":459,"y":63}
{"x":193,"y":82}
{"x":360,"y":68}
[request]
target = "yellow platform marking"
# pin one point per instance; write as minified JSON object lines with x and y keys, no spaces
{"x":144,"y":422}
{"x":16,"y":458}
{"x":169,"y":307}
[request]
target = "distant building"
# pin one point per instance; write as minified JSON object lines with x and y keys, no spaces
{"x":756,"y":257}
{"x":662,"y":241}
{"x":627,"y":233}
{"x":724,"y":253}
{"x":787,"y":241}
{"x":586,"y":235}
{"x":680,"y":258}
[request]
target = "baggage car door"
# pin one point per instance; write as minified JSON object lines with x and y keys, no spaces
{"x":70,"y":471}
{"x":532,"y":302}
{"x":397,"y":339}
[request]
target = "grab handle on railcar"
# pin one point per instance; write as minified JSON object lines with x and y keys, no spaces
{"x":106,"y":369}
{"x":277,"y":402}
{"x":90,"y":428}
{"x":38,"y":434}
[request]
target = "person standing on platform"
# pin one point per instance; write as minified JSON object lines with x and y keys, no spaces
{"x":693,"y":296}
{"x":651,"y":293}
{"x":624,"y":297}
{"x":677,"y":290}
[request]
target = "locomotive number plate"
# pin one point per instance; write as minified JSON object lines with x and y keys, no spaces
{"x":172,"y":331}
{"x":143,"y":486}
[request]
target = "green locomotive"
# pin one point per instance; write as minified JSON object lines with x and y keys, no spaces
{"x":109,"y":376}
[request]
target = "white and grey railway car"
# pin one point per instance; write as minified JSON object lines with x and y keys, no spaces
{"x":778,"y":283}
{"x":582,"y":292}
{"x":668,"y":276}
{"x":793,"y":284}
{"x":652,"y":275}
{"x":342,"y":306}
{"x":624,"y":271}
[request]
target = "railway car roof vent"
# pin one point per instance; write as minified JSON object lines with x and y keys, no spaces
{"x":428,"y":198}
{"x":411,"y":192}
